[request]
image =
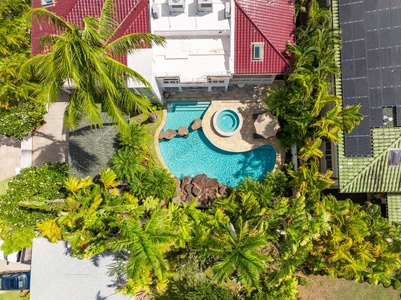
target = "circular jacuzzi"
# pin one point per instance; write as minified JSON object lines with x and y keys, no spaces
{"x":227,"y":121}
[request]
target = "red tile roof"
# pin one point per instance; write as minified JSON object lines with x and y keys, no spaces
{"x":133,"y":16}
{"x":270,"y":22}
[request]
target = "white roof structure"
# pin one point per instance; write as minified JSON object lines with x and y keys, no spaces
{"x":198,"y":42}
{"x":193,"y":38}
{"x":57,"y":275}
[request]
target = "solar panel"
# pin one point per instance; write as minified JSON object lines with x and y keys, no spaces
{"x":357,"y":10}
{"x":359,"y":49}
{"x":372,"y":39}
{"x":364,"y":127}
{"x":384,"y":17}
{"x":371,"y":5}
{"x":348,"y":88}
{"x":385,"y":37}
{"x":346,"y":33}
{"x":398,"y":115}
{"x":345,"y":14}
{"x":376,"y":117}
{"x":385,"y":57}
{"x":397,"y":56}
{"x":388,"y":77}
{"x":364,"y":146}
{"x":371,"y":65}
{"x":361,"y":84}
{"x":389,"y":96}
{"x":375,"y":98}
{"x":351,"y":145}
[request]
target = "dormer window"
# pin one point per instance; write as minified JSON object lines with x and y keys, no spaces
{"x":394,"y":157}
{"x":257,"y":51}
{"x":47,"y":2}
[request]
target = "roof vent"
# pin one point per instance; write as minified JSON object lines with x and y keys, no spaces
{"x":205,"y":5}
{"x":176,"y":6}
{"x":156,"y":10}
{"x":47,"y":2}
{"x":227,"y":10}
{"x":394,"y":157}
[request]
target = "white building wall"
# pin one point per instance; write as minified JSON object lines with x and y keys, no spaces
{"x":198,"y":46}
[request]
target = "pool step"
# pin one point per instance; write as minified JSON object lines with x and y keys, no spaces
{"x":191,"y":107}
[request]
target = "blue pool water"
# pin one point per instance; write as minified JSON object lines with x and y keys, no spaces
{"x":227,"y":121}
{"x":197,"y":155}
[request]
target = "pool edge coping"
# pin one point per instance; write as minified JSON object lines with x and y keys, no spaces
{"x":273,"y":141}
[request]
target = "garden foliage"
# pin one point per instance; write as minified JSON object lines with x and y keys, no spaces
{"x":35,"y":185}
{"x":20,"y":111}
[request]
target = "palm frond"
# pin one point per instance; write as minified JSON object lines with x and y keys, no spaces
{"x":132,"y":42}
{"x":42,"y":15}
{"x":107,"y":24}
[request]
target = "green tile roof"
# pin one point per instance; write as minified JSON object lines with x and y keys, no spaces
{"x":394,"y":207}
{"x":368,"y":174}
{"x":372,"y":174}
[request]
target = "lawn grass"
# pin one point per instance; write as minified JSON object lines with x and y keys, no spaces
{"x":11,"y":295}
{"x":3,"y":186}
{"x":326,"y":288}
{"x":151,"y":129}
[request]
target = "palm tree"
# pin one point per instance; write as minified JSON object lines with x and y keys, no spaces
{"x":147,"y":241}
{"x":238,"y":249}
{"x":84,"y":57}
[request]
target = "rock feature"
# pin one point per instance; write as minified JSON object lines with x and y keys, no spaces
{"x":152,"y":118}
{"x":167,"y":134}
{"x":183,"y":131}
{"x":196,"y":124}
{"x":178,"y":193}
{"x":203,"y":188}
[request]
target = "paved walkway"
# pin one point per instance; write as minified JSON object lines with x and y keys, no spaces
{"x":10,"y":154}
{"x":50,"y":142}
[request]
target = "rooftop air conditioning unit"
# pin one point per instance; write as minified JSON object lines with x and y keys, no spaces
{"x":205,"y":5}
{"x":47,"y":2}
{"x":156,"y":11}
{"x":176,"y":6}
{"x":227,"y":10}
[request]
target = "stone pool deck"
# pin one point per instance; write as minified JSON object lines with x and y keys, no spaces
{"x":248,"y":101}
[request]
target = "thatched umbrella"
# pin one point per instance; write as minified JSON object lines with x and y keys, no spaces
{"x":266,"y":125}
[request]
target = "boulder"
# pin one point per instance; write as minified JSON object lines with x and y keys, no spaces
{"x":211,"y":184}
{"x":185,"y":180}
{"x":152,"y":118}
{"x":177,"y":199}
{"x":199,"y":180}
{"x":167,"y":134}
{"x":223,"y":191}
{"x":196,"y":124}
{"x":188,"y":188}
{"x":203,"y":188}
{"x":183,"y":131}
{"x":196,"y":190}
{"x":189,"y":199}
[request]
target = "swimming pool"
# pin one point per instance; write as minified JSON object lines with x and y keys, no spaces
{"x":197,"y":155}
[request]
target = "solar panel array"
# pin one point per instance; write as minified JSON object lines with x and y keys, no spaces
{"x":371,"y":65}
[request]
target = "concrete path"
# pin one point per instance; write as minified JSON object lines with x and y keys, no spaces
{"x":10,"y":153}
{"x":50,"y":142}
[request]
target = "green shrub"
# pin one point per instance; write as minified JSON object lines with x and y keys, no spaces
{"x":34,"y":183}
{"x":18,"y":121}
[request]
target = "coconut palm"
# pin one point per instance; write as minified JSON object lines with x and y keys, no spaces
{"x":84,"y":57}
{"x":238,"y":249}
{"x":147,"y":241}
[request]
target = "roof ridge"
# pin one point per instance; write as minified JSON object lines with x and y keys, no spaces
{"x":126,"y":17}
{"x":72,"y":7}
{"x":265,"y":37}
{"x":371,"y":164}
